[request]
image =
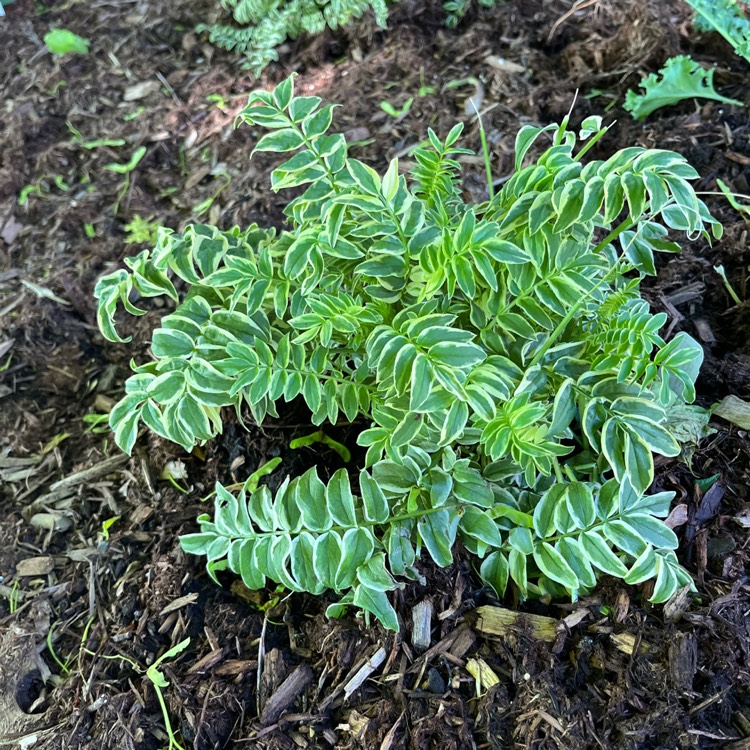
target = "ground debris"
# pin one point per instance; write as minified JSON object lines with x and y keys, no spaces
{"x":499,"y":621}
{"x":288,"y":692}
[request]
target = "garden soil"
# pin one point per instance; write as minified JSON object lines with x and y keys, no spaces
{"x":93,"y":585}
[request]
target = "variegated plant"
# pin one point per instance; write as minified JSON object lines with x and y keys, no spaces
{"x":511,"y":383}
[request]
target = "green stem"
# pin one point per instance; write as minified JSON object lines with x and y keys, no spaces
{"x":487,"y":162}
{"x":590,"y":144}
{"x":168,"y":726}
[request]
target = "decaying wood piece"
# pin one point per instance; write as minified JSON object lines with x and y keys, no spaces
{"x":628,"y":643}
{"x":453,"y":647}
{"x":499,"y":621}
{"x":676,"y":607}
{"x":288,"y":692}
{"x":683,"y":660}
{"x":70,"y":484}
{"x":356,"y":682}
{"x":421,"y":617}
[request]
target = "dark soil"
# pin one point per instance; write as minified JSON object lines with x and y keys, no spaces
{"x":87,"y":603}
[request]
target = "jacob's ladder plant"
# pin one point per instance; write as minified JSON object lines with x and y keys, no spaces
{"x":513,"y":384}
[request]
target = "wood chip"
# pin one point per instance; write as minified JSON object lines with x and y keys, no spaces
{"x":421,"y":617}
{"x":69,"y":485}
{"x":738,"y":158}
{"x":235,"y":667}
{"x":211,"y":659}
{"x":621,"y":607}
{"x":683,"y":660}
{"x":483,"y":674}
{"x":574,"y":618}
{"x":500,"y":621}
{"x":463,"y":642}
{"x":390,"y":738}
{"x":626,"y":642}
{"x":11,"y":230}
{"x":356,"y":682}
{"x":288,"y":692}
{"x":183,"y":601}
{"x":679,"y":603}
{"x":35,"y":566}
{"x":140,"y":90}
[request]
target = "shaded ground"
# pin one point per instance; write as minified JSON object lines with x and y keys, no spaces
{"x":86,"y":607}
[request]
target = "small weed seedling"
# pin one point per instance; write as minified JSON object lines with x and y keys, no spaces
{"x":126,"y":169}
{"x":41,"y":188}
{"x":65,"y":42}
{"x":727,"y":285}
{"x":160,"y":683}
{"x":79,"y":140}
{"x":511,"y":382}
{"x":742,"y":209}
{"x":14,"y":598}
{"x":397,"y":114}
{"x":202,"y":208}
{"x":140,"y":230}
{"x":155,"y":676}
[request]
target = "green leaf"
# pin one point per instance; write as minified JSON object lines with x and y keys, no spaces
{"x":643,"y":568}
{"x":65,"y":42}
{"x":666,"y":582}
{"x":401,"y":553}
{"x":393,"y":478}
{"x":302,"y":106}
{"x":563,"y":409}
{"x":422,"y":382}
{"x":126,"y":431}
{"x":518,"y":572}
{"x":580,"y":503}
{"x":639,"y":463}
{"x":625,"y":537}
{"x":477,"y":524}
{"x":376,"y":602}
{"x":374,"y":574}
{"x":357,"y":548}
{"x":600,"y":555}
{"x":461,"y":356}
{"x":280,"y":141}
{"x":340,"y":501}
{"x":327,"y":556}
{"x":572,"y":553}
{"x":494,"y":573}
{"x":438,"y":532}
{"x":376,"y":508}
{"x":569,"y":204}
{"x":171,"y":343}
{"x":652,"y":531}
{"x":364,"y":176}
{"x":680,"y":78}
{"x":310,"y":494}
{"x":168,"y":387}
{"x":544,"y":524}
{"x":504,"y":251}
{"x":197,"y":544}
{"x":554,"y":566}
{"x":303,"y":569}
{"x":656,"y":437}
